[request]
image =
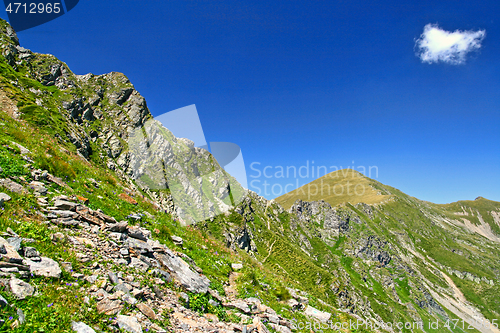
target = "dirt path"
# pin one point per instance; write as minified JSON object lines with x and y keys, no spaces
{"x":270,"y":251}
{"x":231,"y":290}
{"x":7,"y":105}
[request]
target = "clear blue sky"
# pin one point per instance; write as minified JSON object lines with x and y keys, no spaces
{"x":294,"y":81}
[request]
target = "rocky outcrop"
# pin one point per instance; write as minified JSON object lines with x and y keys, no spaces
{"x":373,"y":248}
{"x":240,"y":238}
{"x":322,"y":215}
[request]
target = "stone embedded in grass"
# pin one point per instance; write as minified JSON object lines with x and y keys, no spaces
{"x":67,"y":266}
{"x":122,"y":287}
{"x":177,"y":240}
{"x":80,"y":327}
{"x":11,"y":186}
{"x":92,"y":278}
{"x":65,"y":205}
{"x":46,"y":267}
{"x":19,"y":267}
{"x":56,"y":180}
{"x":24,"y":150}
{"x":4,"y":198}
{"x":85,"y":241}
{"x":139,"y":264}
{"x":129,"y":324}
{"x":21,"y":316}
{"x":315,"y":313}
{"x":239,"y":305}
{"x":87,"y":217}
{"x":21,"y":289}
{"x":15,"y":242}
{"x":182,"y":273}
{"x":10,"y":254}
{"x":38,"y":188}
{"x":119,"y":227}
{"x":59,"y":237}
{"x":113,"y":278}
{"x":139,"y":233}
{"x":61,"y":213}
{"x":106,"y":218}
{"x":162,"y":274}
{"x":129,"y":299}
{"x":147,"y":311}
{"x":109,"y":307}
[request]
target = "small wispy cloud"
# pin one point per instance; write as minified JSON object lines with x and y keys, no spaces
{"x":436,"y":44}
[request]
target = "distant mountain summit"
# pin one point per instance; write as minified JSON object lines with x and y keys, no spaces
{"x":342,"y":186}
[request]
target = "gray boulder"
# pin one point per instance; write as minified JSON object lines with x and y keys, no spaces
{"x":4,"y":198}
{"x":11,"y":186}
{"x":315,"y":313}
{"x":236,"y":267}
{"x":15,"y":242}
{"x":81,"y":327}
{"x":113,"y":278}
{"x":182,"y":273}
{"x":119,"y":227}
{"x":31,"y":252}
{"x":177,"y":240}
{"x":20,"y":315}
{"x":139,"y":233}
{"x":45,"y":267}
{"x":9,"y":252}
{"x":139,"y":264}
{"x":129,"y":324}
{"x":21,"y":289}
{"x":239,"y":305}
{"x":65,"y":205}
{"x":38,"y":187}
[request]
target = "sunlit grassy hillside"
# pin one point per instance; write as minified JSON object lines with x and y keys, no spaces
{"x":338,"y":187}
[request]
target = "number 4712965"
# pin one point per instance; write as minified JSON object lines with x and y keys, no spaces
{"x":33,"y":8}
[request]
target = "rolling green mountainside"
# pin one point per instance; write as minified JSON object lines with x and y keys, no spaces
{"x":92,"y":225}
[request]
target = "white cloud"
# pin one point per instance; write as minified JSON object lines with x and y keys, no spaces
{"x":436,"y":44}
